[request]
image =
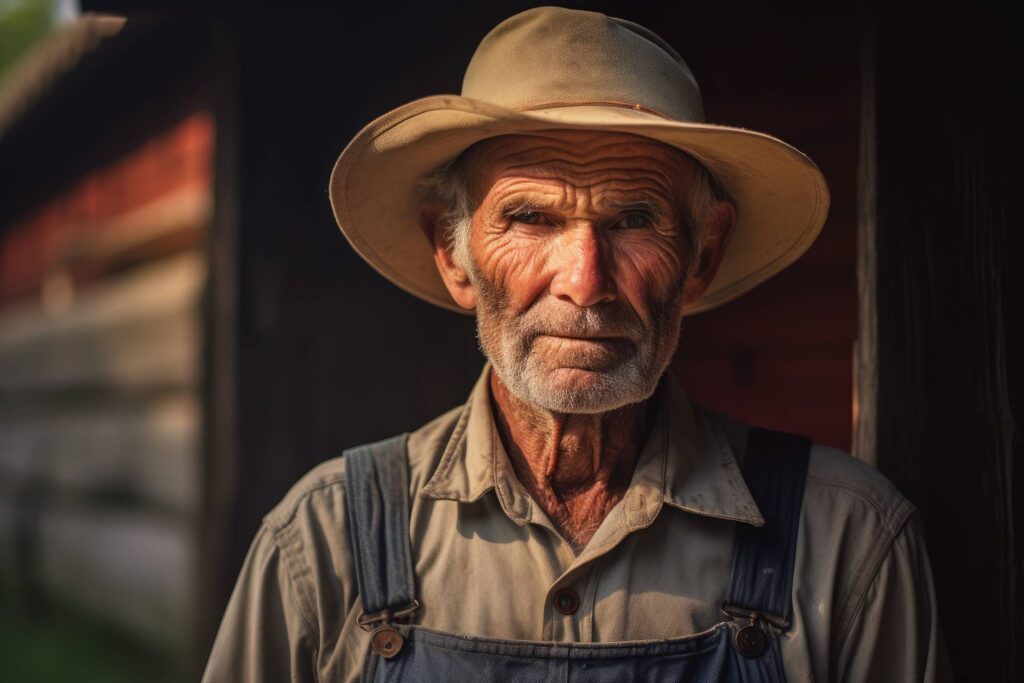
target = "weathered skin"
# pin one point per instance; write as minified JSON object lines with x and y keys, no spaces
{"x":580,"y":219}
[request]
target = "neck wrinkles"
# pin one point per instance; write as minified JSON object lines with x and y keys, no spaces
{"x":575,"y":466}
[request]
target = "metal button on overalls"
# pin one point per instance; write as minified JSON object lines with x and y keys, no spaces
{"x":386,"y":641}
{"x":751,"y":640}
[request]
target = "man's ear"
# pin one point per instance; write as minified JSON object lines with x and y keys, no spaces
{"x":454,"y":276}
{"x":720,"y":224}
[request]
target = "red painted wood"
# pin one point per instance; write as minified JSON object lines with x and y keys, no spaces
{"x":781,"y":356}
{"x":41,"y":243}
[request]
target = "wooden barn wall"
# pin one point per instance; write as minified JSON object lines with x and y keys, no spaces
{"x":781,"y":356}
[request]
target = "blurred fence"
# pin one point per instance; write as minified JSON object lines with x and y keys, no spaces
{"x":101,"y":284}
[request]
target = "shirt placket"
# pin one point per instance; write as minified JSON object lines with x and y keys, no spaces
{"x":569,"y":604}
{"x":570,"y":600}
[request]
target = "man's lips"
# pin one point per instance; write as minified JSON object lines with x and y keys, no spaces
{"x":586,"y":344}
{"x":596,"y":335}
{"x":593,"y":354}
{"x":608,"y":339}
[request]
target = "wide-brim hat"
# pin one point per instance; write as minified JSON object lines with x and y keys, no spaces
{"x":551,"y":68}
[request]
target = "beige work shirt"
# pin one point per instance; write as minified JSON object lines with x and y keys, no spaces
{"x":488,"y":561}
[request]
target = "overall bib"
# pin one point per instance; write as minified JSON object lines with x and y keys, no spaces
{"x":744,"y":646}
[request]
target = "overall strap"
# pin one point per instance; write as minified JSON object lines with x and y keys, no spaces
{"x":377,"y":508}
{"x":775,"y":470}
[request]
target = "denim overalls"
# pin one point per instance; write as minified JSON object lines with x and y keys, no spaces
{"x":744,"y":646}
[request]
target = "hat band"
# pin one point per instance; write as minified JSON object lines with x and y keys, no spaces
{"x":599,"y":103}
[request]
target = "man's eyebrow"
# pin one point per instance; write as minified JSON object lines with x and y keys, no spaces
{"x":645,"y":201}
{"x":515,"y":206}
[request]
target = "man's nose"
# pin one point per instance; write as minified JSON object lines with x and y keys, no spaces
{"x":582,"y":268}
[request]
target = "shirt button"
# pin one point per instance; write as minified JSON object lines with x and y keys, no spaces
{"x":567,"y":601}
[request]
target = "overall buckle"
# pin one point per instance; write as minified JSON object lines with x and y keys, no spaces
{"x":750,"y":640}
{"x":385,"y":640}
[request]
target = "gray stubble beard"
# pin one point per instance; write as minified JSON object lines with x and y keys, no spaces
{"x":508,"y":343}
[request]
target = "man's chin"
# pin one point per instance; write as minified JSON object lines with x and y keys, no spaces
{"x":581,"y":390}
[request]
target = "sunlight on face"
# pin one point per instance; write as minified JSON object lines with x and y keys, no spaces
{"x":577,"y":253}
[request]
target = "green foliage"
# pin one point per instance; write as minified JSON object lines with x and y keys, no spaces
{"x":58,"y":644}
{"x":22,"y":23}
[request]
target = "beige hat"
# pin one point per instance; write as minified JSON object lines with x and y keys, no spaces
{"x":553,"y":68}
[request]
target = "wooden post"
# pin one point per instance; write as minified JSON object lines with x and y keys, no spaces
{"x":865,"y":367}
{"x":216,"y":571}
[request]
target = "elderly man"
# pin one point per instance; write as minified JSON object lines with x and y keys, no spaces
{"x":579,"y":517}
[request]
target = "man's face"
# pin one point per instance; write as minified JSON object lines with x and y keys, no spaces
{"x":578,"y":257}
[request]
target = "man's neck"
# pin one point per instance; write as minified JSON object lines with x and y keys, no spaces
{"x":576,"y":467}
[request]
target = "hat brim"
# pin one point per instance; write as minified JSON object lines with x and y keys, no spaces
{"x":781,"y":197}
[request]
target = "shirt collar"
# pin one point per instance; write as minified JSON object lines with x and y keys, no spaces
{"x":686,"y":463}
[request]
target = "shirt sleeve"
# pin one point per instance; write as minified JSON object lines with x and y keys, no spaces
{"x":265,"y":635}
{"x":895,"y":636}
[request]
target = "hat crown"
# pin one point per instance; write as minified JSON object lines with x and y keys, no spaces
{"x":552,"y":56}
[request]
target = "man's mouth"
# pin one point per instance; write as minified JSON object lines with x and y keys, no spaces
{"x":585,"y":337}
{"x":585,"y":346}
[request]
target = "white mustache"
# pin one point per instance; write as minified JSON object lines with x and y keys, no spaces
{"x":613,"y":321}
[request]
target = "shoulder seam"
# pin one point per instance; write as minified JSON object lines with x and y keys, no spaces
{"x":293,"y":509}
{"x":854,"y":602}
{"x":891,"y":520}
{"x":294,"y":584}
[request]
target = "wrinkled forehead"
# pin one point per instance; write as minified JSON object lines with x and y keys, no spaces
{"x":575,"y":154}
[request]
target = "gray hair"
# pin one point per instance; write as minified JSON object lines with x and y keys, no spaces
{"x":448,"y":186}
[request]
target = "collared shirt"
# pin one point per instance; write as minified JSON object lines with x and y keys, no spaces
{"x":488,"y":561}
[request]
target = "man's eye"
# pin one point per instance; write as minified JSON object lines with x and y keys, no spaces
{"x":635,"y":220}
{"x":528,"y":217}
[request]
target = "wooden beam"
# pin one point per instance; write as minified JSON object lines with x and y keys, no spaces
{"x":144,"y":452}
{"x":132,"y":331}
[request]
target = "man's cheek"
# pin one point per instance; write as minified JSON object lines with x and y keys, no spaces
{"x":516,"y":270}
{"x":646,"y":291}
{"x":657,"y":259}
